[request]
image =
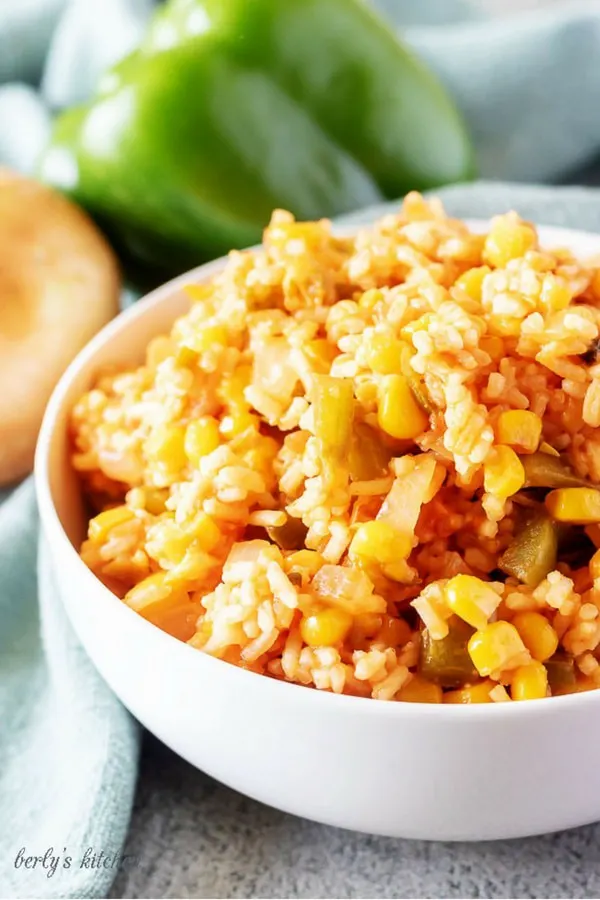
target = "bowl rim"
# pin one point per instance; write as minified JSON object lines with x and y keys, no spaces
{"x":51,"y":523}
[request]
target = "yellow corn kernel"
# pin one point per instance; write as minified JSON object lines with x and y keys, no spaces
{"x":201,"y":438}
{"x":148,"y":592}
{"x":423,"y":323}
{"x":174,"y":544}
{"x":492,"y":345}
{"x":503,"y":472}
{"x":595,"y":565}
{"x":508,"y":238}
{"x":496,"y":647}
{"x":165,"y":445}
{"x":505,"y":326}
{"x":472,"y":693}
{"x":578,"y":505}
{"x":204,"y":629}
{"x":166,"y":606}
{"x":185,"y":357}
{"x":471,"y":281}
{"x":237,"y":422}
{"x":370,"y":298}
{"x":548,"y":449}
{"x":207,"y":337}
{"x":308,"y":561}
{"x":325,"y":628}
{"x":396,"y":571}
{"x":175,"y":540}
{"x":231,"y":388}
{"x":399,"y":414}
{"x":519,"y":428}
{"x":159,"y":349}
{"x":260,"y":456}
{"x":471,"y":599}
{"x":205,"y":531}
{"x":419,"y":690}
{"x":102,"y":524}
{"x":384,"y":354}
{"x":529,"y":682}
{"x":555,"y":294}
{"x":154,"y":500}
{"x":537,"y":634}
{"x":259,"y":451}
{"x":320,"y":354}
{"x":198,"y":292}
{"x":378,"y":541}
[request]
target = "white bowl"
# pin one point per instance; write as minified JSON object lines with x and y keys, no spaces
{"x":399,"y":769}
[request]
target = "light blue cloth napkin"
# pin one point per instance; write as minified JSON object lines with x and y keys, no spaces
{"x":26,"y":28}
{"x":68,"y":749}
{"x":528,"y":84}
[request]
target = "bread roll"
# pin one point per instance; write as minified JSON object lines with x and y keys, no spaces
{"x":59,"y":283}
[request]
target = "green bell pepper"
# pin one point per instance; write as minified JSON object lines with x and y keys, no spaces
{"x":231,"y":108}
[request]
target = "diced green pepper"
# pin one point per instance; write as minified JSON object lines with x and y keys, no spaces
{"x":533,"y":551}
{"x":369,"y":458}
{"x":543,"y":470}
{"x":416,"y":382}
{"x":417,"y":386}
{"x":333,"y":413}
{"x":447,"y":661}
{"x":561,"y":672}
{"x":289,"y":536}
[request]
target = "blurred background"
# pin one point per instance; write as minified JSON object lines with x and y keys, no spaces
{"x":504,"y":7}
{"x":491,"y":54}
{"x":522,"y":72}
